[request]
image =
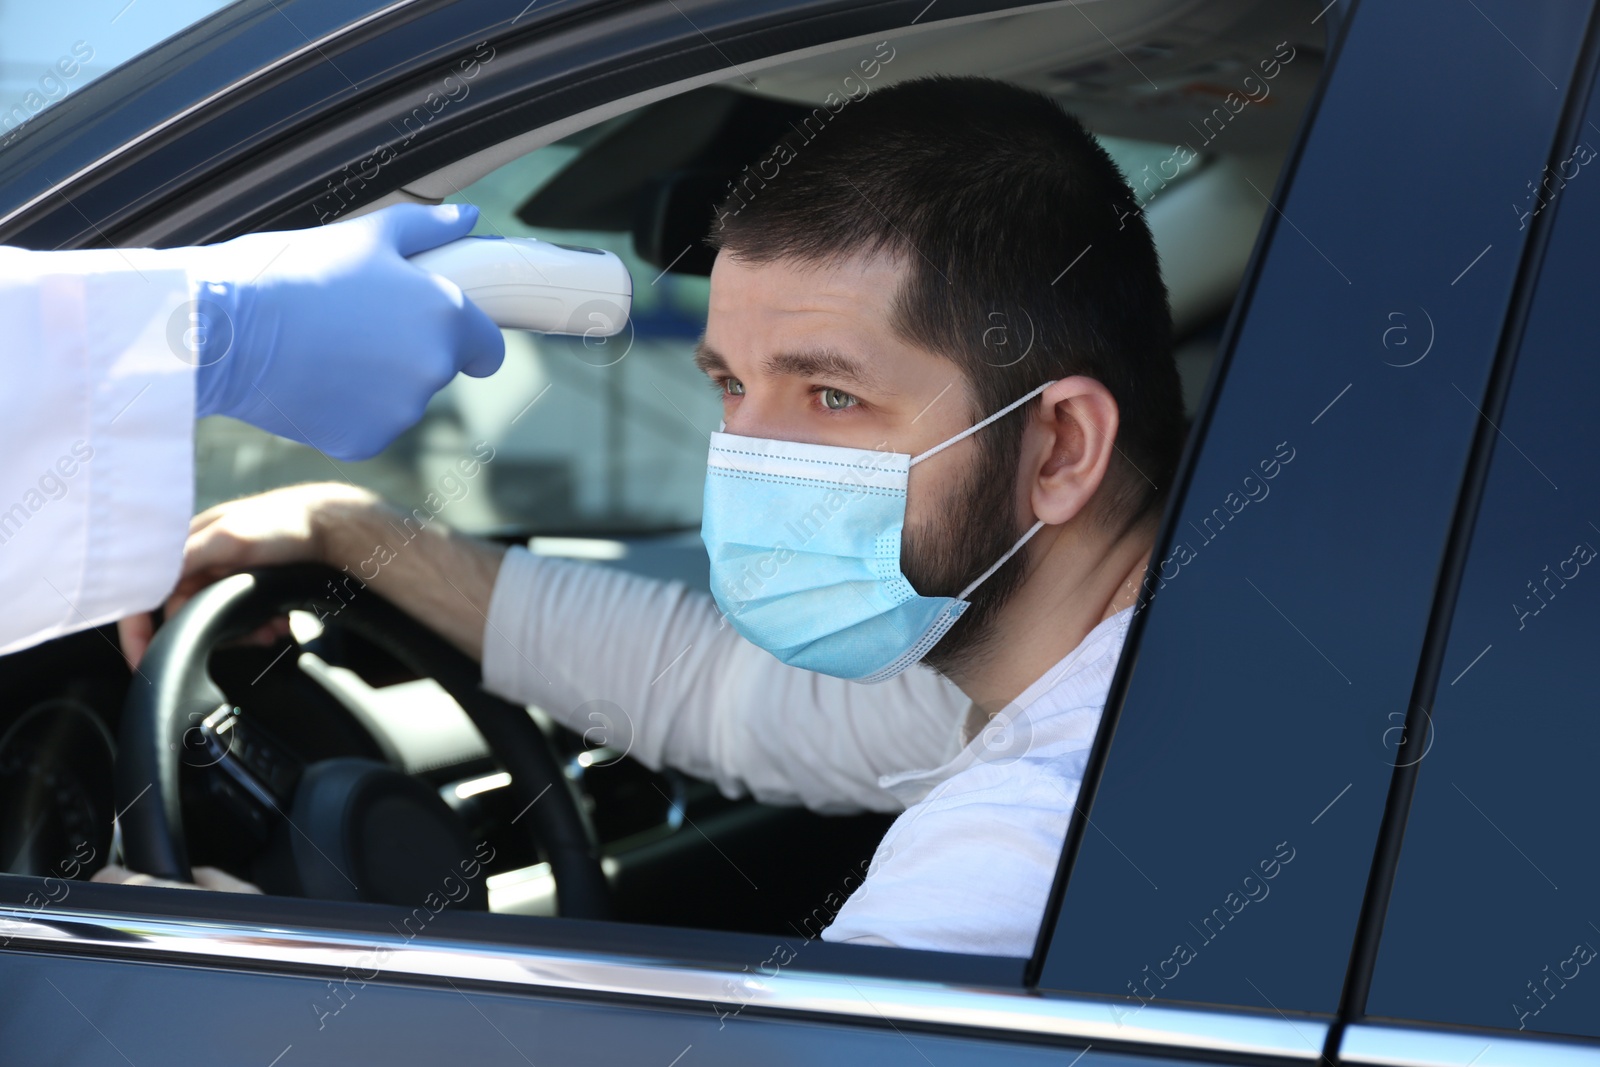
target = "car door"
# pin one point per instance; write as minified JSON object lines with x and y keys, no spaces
{"x":1237,"y":795}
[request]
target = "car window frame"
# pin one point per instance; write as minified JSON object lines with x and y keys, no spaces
{"x":114,"y":921}
{"x":538,"y":68}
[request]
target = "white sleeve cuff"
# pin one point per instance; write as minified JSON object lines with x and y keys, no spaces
{"x":98,"y":484}
{"x":508,"y":631}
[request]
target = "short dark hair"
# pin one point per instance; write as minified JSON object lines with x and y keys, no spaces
{"x":1017,"y":226}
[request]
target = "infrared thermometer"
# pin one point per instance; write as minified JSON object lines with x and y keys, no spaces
{"x":523,"y":283}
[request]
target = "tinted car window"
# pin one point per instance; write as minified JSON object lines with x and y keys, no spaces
{"x":1495,"y":917}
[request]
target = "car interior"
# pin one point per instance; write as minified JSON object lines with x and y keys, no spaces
{"x":1200,"y":111}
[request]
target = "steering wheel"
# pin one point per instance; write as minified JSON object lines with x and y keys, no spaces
{"x":359,"y":829}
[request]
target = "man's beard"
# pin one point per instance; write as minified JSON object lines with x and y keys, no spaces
{"x":976,"y":525}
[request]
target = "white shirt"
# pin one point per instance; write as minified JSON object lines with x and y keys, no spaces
{"x":650,"y":668}
{"x":969,"y":865}
{"x":97,"y":418}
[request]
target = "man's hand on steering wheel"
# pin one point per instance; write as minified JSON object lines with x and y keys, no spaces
{"x":259,"y":531}
{"x":432,"y":573}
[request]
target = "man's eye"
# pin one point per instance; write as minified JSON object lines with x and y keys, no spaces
{"x":732,"y":387}
{"x":835,"y":400}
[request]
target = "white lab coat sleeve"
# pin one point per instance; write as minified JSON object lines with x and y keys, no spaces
{"x":650,"y":668}
{"x":97,"y":419}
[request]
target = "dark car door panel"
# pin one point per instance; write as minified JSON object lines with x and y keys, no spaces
{"x":1504,"y":804}
{"x":1292,"y":594}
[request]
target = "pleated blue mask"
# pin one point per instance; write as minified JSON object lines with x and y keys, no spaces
{"x":804,"y":543}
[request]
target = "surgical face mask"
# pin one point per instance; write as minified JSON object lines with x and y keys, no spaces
{"x":804,"y":543}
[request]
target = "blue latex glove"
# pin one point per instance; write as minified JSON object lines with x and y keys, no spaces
{"x":329,"y":336}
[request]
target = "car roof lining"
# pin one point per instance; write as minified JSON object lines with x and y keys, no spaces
{"x":1191,"y":34}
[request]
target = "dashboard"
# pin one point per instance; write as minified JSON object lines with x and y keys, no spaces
{"x":56,"y":763}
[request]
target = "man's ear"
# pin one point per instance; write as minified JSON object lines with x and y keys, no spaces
{"x":1068,"y":445}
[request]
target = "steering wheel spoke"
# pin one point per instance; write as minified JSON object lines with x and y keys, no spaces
{"x":249,"y":773}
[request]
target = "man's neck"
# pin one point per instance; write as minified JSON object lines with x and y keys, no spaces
{"x":1076,"y":581}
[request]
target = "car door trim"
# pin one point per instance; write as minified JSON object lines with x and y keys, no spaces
{"x":866,"y":999}
{"x":1383,"y":1045}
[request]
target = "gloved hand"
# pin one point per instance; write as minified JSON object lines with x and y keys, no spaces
{"x":329,"y":336}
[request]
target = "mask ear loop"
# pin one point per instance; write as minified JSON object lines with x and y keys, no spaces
{"x":969,"y":431}
{"x":1000,"y":562}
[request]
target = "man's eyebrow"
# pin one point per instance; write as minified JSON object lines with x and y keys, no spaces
{"x":709,"y":361}
{"x":824,"y":363}
{"x":806,"y":363}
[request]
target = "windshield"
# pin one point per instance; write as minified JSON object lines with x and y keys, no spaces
{"x":47,"y":51}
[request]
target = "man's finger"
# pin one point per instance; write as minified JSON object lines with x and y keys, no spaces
{"x":211,"y":549}
{"x":134,"y":633}
{"x":206,"y":518}
{"x":214,"y":878}
{"x":189,"y":585}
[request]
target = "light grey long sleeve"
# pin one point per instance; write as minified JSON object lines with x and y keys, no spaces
{"x":650,"y":667}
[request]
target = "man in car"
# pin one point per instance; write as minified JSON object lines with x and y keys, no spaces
{"x":951,"y":415}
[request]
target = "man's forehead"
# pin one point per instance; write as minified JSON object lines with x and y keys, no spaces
{"x":806,"y":318}
{"x":791,"y":292}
